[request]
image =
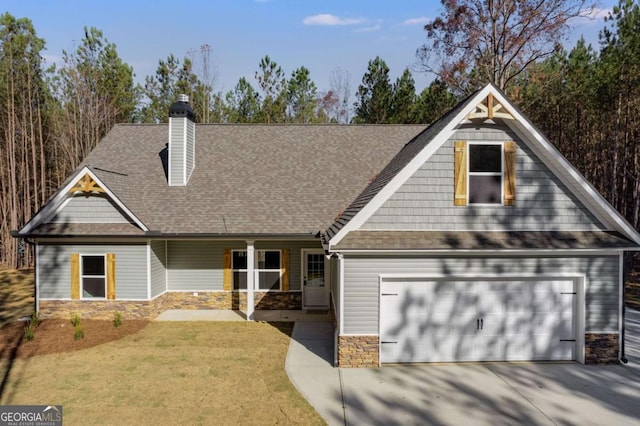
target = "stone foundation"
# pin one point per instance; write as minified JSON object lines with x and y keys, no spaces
{"x":358,"y":351}
{"x":149,"y":309}
{"x":601,"y":348}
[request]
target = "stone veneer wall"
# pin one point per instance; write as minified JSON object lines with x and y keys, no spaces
{"x":601,"y":348}
{"x":149,"y":309}
{"x":358,"y":351}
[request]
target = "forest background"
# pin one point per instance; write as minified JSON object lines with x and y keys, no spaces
{"x":585,"y":99}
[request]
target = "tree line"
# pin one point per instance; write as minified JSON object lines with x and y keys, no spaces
{"x":586,"y":99}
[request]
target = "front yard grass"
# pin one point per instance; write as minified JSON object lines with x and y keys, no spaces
{"x":169,"y":373}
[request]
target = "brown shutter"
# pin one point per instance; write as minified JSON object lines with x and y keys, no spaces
{"x":460,"y":173}
{"x":75,"y":275}
{"x":111,"y":276}
{"x":285,"y":269}
{"x":227,"y":283}
{"x":510,"y":149}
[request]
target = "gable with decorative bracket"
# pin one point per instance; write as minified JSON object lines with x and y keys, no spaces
{"x":490,"y":108}
{"x":86,"y":184}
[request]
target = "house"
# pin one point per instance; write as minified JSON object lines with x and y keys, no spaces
{"x":471,"y":239}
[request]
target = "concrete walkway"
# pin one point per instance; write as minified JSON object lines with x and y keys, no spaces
{"x":451,"y":394}
{"x":229,"y":315}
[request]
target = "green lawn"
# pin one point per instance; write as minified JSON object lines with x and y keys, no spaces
{"x":170,"y":373}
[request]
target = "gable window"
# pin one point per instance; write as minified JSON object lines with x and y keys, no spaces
{"x":93,"y":276}
{"x":268,"y":267}
{"x":485,"y":173}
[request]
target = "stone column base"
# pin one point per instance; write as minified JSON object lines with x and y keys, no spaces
{"x":149,"y":309}
{"x":601,"y":348}
{"x":358,"y":351}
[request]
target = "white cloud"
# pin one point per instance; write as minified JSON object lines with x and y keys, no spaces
{"x":416,"y":21}
{"x":372,"y":28}
{"x":331,"y":20}
{"x":597,"y":13}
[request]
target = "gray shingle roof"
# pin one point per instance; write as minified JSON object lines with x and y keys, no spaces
{"x":248,"y":179}
{"x":465,"y":240}
{"x":88,"y":229}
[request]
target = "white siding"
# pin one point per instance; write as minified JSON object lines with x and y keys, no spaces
{"x":191,"y":147}
{"x":425,"y":201}
{"x":176,"y":151}
{"x":54,"y":268}
{"x":158,"y":269}
{"x":361,"y":281}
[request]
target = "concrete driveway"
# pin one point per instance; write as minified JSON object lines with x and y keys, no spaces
{"x":491,"y":394}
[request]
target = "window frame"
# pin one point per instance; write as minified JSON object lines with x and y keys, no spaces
{"x":256,"y":270}
{"x":470,"y":173}
{"x":83,"y":276}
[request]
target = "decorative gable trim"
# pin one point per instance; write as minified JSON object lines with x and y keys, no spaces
{"x":88,"y":182}
{"x":489,"y":100}
{"x":86,"y":185}
{"x":489,"y":108}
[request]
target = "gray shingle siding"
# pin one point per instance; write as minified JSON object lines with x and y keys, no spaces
{"x":425,"y":201}
{"x":158,"y":268}
{"x":54,"y":269}
{"x":198,"y":265}
{"x":89,"y":209}
{"x":361,"y":280}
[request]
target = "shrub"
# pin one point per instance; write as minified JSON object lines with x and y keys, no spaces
{"x":117,"y":319}
{"x":78,"y":332}
{"x":35,"y":320}
{"x":30,"y":331}
{"x":75,"y":319}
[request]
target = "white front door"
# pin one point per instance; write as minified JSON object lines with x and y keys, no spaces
{"x":315,"y":288}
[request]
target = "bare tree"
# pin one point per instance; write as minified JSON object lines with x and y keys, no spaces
{"x":340,"y":88}
{"x":477,"y":41}
{"x":207,"y":73}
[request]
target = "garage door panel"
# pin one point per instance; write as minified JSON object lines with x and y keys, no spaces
{"x":458,"y":320}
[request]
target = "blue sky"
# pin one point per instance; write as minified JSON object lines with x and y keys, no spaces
{"x":320,"y":35}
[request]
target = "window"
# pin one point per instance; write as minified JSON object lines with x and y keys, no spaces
{"x":267,"y":265}
{"x":485,"y":173}
{"x":93,"y":276}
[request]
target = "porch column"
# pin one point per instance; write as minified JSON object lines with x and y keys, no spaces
{"x":251,"y":277}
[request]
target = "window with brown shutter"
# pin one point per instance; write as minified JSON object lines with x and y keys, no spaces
{"x":111,"y":276}
{"x":75,"y":276}
{"x":510,"y":149}
{"x":227,"y":283}
{"x":285,"y":269}
{"x":460,"y":173}
{"x":484,"y":173}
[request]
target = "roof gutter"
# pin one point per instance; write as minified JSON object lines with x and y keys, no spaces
{"x":169,"y":236}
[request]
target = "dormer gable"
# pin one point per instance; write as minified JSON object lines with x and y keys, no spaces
{"x":84,"y":200}
{"x":471,"y":123}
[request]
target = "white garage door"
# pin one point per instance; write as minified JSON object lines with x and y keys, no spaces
{"x":464,"y":320}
